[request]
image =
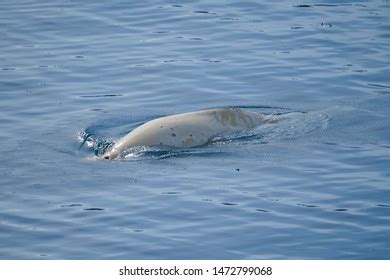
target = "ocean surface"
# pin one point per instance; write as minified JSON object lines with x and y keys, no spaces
{"x":313,"y":186}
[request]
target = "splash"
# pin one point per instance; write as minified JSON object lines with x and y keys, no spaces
{"x":97,"y":145}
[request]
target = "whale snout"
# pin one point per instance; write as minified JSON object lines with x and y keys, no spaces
{"x":112,"y":153}
{"x":109,"y":155}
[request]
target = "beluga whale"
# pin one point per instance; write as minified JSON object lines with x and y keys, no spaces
{"x":188,"y":130}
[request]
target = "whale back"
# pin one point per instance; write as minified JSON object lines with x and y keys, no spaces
{"x":236,"y":118}
{"x":187,"y":130}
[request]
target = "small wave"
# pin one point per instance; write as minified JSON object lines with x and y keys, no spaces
{"x":159,"y":153}
{"x":100,"y":95}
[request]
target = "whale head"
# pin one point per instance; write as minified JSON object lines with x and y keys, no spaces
{"x":111,"y":152}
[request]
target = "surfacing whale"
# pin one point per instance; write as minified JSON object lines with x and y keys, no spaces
{"x":188,"y":129}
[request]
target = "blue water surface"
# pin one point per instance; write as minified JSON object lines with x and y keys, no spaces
{"x":315,"y":186}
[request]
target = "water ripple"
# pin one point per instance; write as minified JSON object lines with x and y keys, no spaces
{"x":84,"y":73}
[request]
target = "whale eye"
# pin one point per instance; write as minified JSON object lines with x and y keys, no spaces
{"x":106,"y":157}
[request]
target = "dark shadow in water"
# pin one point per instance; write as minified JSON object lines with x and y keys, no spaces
{"x":94,"y":209}
{"x":307,"y":205}
{"x":262,"y":210}
{"x":100,"y":95}
{"x":229,"y":204}
{"x":383,"y":205}
{"x":72,"y":205}
{"x":340,"y":210}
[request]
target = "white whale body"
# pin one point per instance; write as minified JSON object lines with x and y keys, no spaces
{"x":188,"y":129}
